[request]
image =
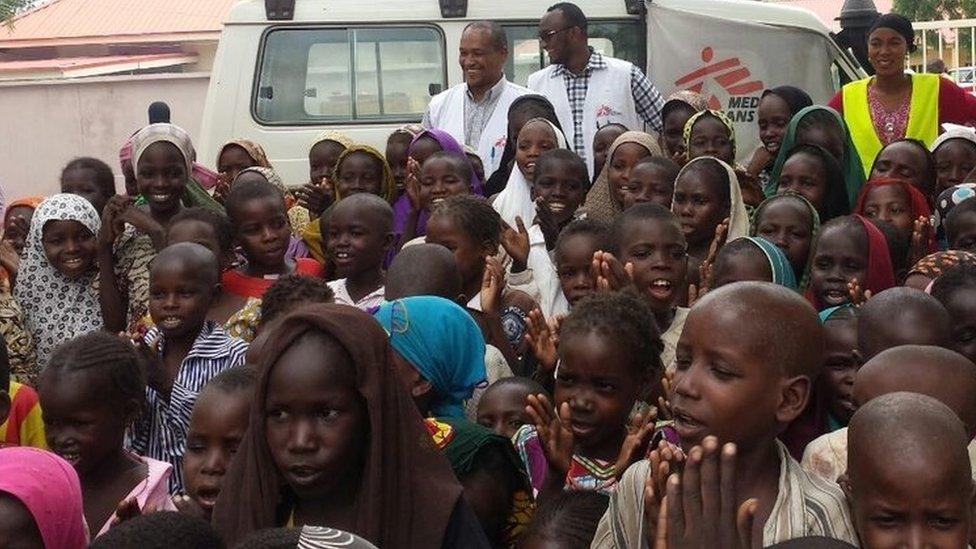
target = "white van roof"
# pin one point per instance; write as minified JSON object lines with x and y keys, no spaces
{"x":351,"y":11}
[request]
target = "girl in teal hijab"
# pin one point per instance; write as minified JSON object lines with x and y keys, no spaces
{"x":822,"y":126}
{"x":438,"y":340}
{"x":779,"y":265}
{"x":751,"y":258}
{"x":791,"y":222}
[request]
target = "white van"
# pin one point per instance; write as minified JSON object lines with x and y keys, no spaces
{"x":366,"y":68}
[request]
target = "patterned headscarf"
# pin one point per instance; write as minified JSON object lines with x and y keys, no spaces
{"x":332,"y":135}
{"x":387,"y":185}
{"x":599,"y":204}
{"x":949,"y":199}
{"x":692,"y":99}
{"x":933,"y":265}
{"x":169,"y":133}
{"x":57,"y":308}
{"x":715,"y":114}
{"x":269,"y":174}
{"x":255,"y":151}
{"x":814,"y":229}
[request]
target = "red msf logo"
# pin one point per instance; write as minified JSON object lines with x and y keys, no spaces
{"x":728,"y":73}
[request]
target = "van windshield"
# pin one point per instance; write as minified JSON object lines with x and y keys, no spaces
{"x":315,"y":76}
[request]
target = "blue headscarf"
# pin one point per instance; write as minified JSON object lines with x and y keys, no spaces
{"x":444,"y":344}
{"x":779,"y":264}
{"x":827,"y":313}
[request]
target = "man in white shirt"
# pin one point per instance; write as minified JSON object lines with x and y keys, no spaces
{"x":590,"y":90}
{"x":475,"y":112}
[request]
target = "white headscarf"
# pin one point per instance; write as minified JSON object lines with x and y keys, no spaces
{"x":56,"y":308}
{"x":954,"y":131}
{"x":516,"y":199}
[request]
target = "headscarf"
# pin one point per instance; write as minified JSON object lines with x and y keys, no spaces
{"x":49,"y":488}
{"x":57,"y":308}
{"x":690,"y":125}
{"x":738,"y":216}
{"x":835,"y":201}
{"x":516,"y":199}
{"x":934,"y":265}
{"x":323,"y":537}
{"x":444,"y":344}
{"x":387,"y":185}
{"x":695,"y":100}
{"x":269,"y":174}
{"x":599,"y":204}
{"x":255,"y":151}
{"x":407,"y":491}
{"x":497,"y":181}
{"x":851,"y":165}
{"x":194,"y":195}
{"x":880,"y":274}
{"x":829,"y":312}
{"x":449,"y":144}
{"x":949,"y":199}
{"x":916,"y":200}
{"x":954,"y":131}
{"x":796,"y":98}
{"x":897,"y":23}
{"x":31,"y":202}
{"x":814,"y":229}
{"x":331,"y":135}
{"x":779,"y":264}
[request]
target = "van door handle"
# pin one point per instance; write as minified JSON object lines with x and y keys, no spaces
{"x":266,"y":92}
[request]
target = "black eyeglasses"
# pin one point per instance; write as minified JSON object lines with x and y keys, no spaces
{"x":547,"y":36}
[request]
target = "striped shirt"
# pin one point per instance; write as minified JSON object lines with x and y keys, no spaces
{"x":160,"y":433}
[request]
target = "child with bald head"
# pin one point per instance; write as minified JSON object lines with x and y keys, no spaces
{"x":939,"y":373}
{"x":909,"y":478}
{"x":900,"y":316}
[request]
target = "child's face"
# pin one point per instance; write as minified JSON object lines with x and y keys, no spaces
{"x":596,"y":377}
{"x":179,"y":298}
{"x":742,"y":267}
{"x":264,"y":231}
{"x":18,"y":239}
{"x":502,"y":409}
{"x":560,"y":187}
{"x":698,"y":205}
{"x":161,"y":177}
{"x":838,"y":260}
{"x":890,"y":203}
{"x":217,"y":426}
{"x":961,"y":305}
{"x":805,"y":175}
{"x":80,"y":426}
{"x":602,"y":141}
{"x":710,"y":137}
{"x":840,"y":367}
{"x":233,"y":160}
{"x":964,"y":232}
{"x":534,"y":139}
{"x":908,"y":498}
{"x":902,"y":161}
{"x":954,"y":159}
{"x":790,"y":226}
{"x":672,"y":138}
{"x":440,"y":179}
{"x":18,"y":530}
{"x":774,"y":116}
{"x":322,"y":160}
{"x":722,"y":385}
{"x":647,"y":183}
{"x":618,"y":174}
{"x":424,"y":148}
{"x":81,"y":182}
{"x":469,"y":254}
{"x":659,"y":255}
{"x":197,"y":232}
{"x":356,"y":243}
{"x":477,"y":165}
{"x":574,"y":256}
{"x":359,"y":173}
{"x":316,"y":421}
{"x":69,"y":246}
{"x":396,"y":157}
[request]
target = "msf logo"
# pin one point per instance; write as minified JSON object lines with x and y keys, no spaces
{"x":727,"y":78}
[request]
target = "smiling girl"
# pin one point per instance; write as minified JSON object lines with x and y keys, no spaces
{"x":537,"y":136}
{"x":604,"y":202}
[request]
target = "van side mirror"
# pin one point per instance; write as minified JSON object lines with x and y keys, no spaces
{"x":453,"y":8}
{"x":279,"y":10}
{"x":434,"y":89}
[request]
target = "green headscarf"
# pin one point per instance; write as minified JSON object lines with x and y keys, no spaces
{"x":779,"y":264}
{"x":850,"y":165}
{"x":804,"y":277}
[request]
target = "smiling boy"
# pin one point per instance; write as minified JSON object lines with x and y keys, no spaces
{"x":360,"y":230}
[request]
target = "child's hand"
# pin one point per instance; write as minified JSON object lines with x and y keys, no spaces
{"x":127,"y":509}
{"x":609,"y":274}
{"x":664,"y":460}
{"x":695,"y":293}
{"x":516,"y":244}
{"x":701,"y":502}
{"x":411,"y":183}
{"x":921,"y":236}
{"x":858,"y":294}
{"x":492,"y":284}
{"x":554,"y":432}
{"x":156,"y":377}
{"x":18,"y":229}
{"x":705,"y":269}
{"x":112,"y":223}
{"x":222,"y":188}
{"x":638,"y":435}
{"x":663,"y":402}
{"x":186,"y":505}
{"x":143,"y":222}
{"x":316,"y":197}
{"x":542,"y":342}
{"x":9,"y":258}
{"x":547,"y":222}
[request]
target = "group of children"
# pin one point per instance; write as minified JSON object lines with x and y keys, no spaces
{"x":682,"y":352}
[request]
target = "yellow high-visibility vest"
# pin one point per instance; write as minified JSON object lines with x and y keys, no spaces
{"x":923,"y":116}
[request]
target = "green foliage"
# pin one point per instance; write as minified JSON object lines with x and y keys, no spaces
{"x":10,"y":8}
{"x":931,"y":10}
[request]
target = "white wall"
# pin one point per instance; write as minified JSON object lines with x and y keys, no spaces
{"x":45,"y":124}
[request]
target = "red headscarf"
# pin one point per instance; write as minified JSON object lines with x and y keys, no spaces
{"x":916,"y":201}
{"x":880,"y":274}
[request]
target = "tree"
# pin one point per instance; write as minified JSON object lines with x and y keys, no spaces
{"x":932,"y":10}
{"x":10,"y":8}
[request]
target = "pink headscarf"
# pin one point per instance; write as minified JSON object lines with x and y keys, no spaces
{"x":49,"y":488}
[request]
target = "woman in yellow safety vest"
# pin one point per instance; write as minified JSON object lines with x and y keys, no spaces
{"x":893,"y":105}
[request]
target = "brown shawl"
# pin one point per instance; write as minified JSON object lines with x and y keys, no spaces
{"x":408,"y":491}
{"x":600,"y":204}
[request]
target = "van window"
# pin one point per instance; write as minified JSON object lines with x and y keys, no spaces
{"x":621,"y":39}
{"x":315,"y":76}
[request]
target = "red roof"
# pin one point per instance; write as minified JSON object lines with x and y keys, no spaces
{"x":63,"y":22}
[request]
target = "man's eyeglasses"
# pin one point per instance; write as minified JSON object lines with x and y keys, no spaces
{"x":547,"y":36}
